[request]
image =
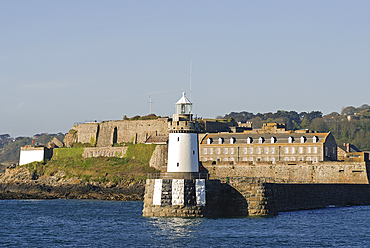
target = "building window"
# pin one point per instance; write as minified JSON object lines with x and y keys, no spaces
{"x":226,"y":151}
{"x":308,"y":149}
{"x":210,"y":150}
{"x":258,"y":159}
{"x":259,"y":150}
{"x":301,"y":159}
{"x":261,"y":140}
{"x":272,"y":150}
{"x":308,"y":158}
{"x":315,"y":149}
{"x":250,"y":150}
{"x":178,"y":164}
{"x":315,"y":160}
{"x":292,"y":159}
{"x":232,"y":140}
{"x":231,"y":159}
{"x":178,"y":138}
{"x":245,"y":159}
{"x":273,"y":140}
{"x":290,"y":139}
{"x":293,"y":150}
{"x":193,"y":152}
{"x":303,"y":139}
{"x":315,"y":139}
{"x":205,"y":151}
{"x":326,"y":151}
{"x":220,"y":141}
{"x":226,"y":159}
{"x":245,"y":150}
{"x":251,"y":159}
{"x":218,"y":150}
{"x":249,"y":140}
{"x":266,"y":159}
{"x":286,"y":149}
{"x":301,"y":150}
{"x":209,"y":141}
{"x":205,"y":159}
{"x":286,"y":159}
{"x":273,"y":160}
{"x":211,"y":159}
{"x":218,"y":159}
{"x":231,"y":150}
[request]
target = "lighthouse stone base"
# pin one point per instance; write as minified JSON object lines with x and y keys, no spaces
{"x":202,"y":198}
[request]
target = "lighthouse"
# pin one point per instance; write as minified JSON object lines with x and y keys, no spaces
{"x":183,"y":156}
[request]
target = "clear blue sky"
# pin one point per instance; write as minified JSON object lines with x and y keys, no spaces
{"x":69,"y":61}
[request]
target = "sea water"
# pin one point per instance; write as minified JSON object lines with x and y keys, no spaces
{"x":88,"y":223}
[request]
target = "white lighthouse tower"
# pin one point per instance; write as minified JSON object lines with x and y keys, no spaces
{"x":183,"y":154}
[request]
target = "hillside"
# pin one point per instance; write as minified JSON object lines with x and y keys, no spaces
{"x":69,"y":175}
{"x":133,"y":167}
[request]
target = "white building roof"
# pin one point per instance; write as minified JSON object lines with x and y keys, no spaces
{"x":183,"y":100}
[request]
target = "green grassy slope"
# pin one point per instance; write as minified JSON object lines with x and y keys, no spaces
{"x":133,"y":167}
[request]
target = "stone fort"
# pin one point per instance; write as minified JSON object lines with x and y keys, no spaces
{"x":268,"y":170}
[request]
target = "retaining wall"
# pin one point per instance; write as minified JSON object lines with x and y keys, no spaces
{"x":322,"y":172}
{"x":104,"y":152}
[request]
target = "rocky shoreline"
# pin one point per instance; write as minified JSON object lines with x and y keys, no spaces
{"x":19,"y":183}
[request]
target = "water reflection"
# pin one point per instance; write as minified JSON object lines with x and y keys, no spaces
{"x":176,"y":227}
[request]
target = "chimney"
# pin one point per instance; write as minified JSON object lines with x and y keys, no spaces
{"x":348,"y":147}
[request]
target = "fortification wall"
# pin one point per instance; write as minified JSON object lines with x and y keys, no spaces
{"x":105,"y":134}
{"x":104,"y":152}
{"x":159,"y":158}
{"x":86,"y":132}
{"x":323,"y":172}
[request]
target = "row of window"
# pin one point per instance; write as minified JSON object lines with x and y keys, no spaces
{"x":266,"y":159}
{"x":259,"y":150}
{"x":261,"y":140}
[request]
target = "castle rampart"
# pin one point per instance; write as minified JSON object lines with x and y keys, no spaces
{"x":105,"y":134}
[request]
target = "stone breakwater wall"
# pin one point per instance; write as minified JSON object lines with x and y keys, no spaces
{"x":264,"y":198}
{"x":203,"y":198}
{"x":107,"y":133}
{"x":293,"y":197}
{"x":104,"y":152}
{"x":245,"y":197}
{"x":322,"y":172}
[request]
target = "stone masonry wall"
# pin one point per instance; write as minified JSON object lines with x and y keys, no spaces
{"x":159,"y":158}
{"x":323,"y":172}
{"x":107,"y":133}
{"x":293,"y":197}
{"x":239,"y":198}
{"x":87,"y":131}
{"x":104,"y":152}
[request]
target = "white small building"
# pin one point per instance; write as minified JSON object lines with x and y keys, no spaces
{"x":31,"y":154}
{"x":183,"y":153}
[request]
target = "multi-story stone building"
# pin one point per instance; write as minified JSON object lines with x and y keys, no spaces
{"x":272,"y":144}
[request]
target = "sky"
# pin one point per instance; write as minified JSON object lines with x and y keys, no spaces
{"x":63,"y":62}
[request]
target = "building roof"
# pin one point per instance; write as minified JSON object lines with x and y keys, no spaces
{"x":280,"y":138}
{"x":183,"y":100}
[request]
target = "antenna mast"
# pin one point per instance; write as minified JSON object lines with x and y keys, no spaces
{"x":190,"y":77}
{"x":150,"y":105}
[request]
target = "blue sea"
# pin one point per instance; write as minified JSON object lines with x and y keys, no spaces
{"x":87,"y":223}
